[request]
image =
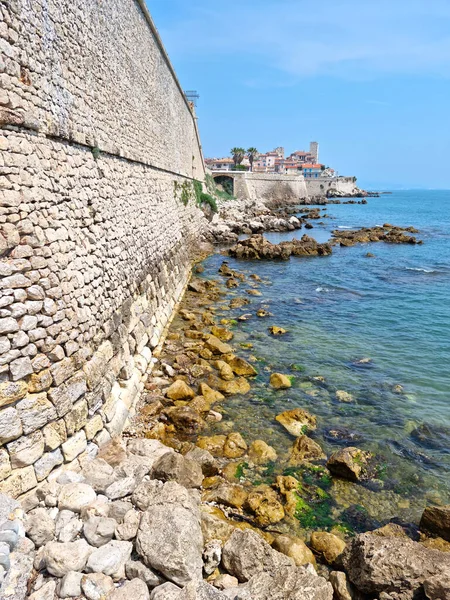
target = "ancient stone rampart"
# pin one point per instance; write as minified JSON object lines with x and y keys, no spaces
{"x":326,"y":185}
{"x":271,"y":188}
{"x":97,"y":221}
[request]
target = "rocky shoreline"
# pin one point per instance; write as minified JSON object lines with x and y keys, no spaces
{"x":174,"y":511}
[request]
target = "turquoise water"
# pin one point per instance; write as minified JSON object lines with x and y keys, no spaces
{"x":393,"y":309}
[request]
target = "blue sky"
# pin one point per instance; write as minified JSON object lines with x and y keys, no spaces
{"x":369,"y":80}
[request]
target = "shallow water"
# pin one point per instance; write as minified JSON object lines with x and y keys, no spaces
{"x":393,"y":309}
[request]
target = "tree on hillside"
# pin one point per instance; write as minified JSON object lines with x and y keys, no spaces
{"x":252,"y":153}
{"x":238,"y":155}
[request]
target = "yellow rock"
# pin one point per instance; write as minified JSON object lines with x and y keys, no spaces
{"x":200,"y":404}
{"x":280,"y":381}
{"x":327,"y":545}
{"x":11,"y":391}
{"x":242,"y":367}
{"x":209,"y":394}
{"x":295,"y":548}
{"x":274,"y":330}
{"x":261,"y":453}
{"x":305,"y":449}
{"x":40,"y":381}
{"x":264,"y":503}
{"x":179,"y":390}
{"x":286,"y":483}
{"x":234,"y":446}
{"x":216,"y":346}
{"x":225,"y":371}
{"x":297,"y":421}
{"x":214,"y":444}
{"x":237,"y":386}
{"x":229,"y":494}
{"x":223,"y":334}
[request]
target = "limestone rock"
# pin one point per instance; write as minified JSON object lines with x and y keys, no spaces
{"x":150,"y":449}
{"x":235,"y":446}
{"x":110,"y":559}
{"x":436,"y":519}
{"x":211,"y":556}
{"x":280,"y":381}
{"x":99,"y":530}
{"x":121,"y":487}
{"x":169,"y":537}
{"x":246,"y":553}
{"x":327,"y":545}
{"x":99,"y":475}
{"x":205,"y":459}
{"x":297,"y":421}
{"x":127,"y":530}
{"x":348,"y":463}
{"x":241,"y":367}
{"x":305,"y":449}
{"x":295,"y":548}
{"x":229,"y":494}
{"x":285,"y":583}
{"x":131,"y":590}
{"x":75,"y":496}
{"x":179,"y":390}
{"x":40,"y":527}
{"x":343,"y":396}
{"x":342,"y":588}
{"x":60,"y":558}
{"x":97,"y":586}
{"x":238,"y":385}
{"x":209,"y":394}
{"x":216,"y":346}
{"x":70,"y":585}
{"x":261,"y":453}
{"x":166,"y":591}
{"x":437,"y":587}
{"x":264,"y":503}
{"x":392,"y":565}
{"x":213,"y":444}
{"x":136,"y":569}
{"x":11,"y":391}
{"x":185,"y":418}
{"x":175,"y":467}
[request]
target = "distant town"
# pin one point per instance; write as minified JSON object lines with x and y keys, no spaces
{"x":275,"y":161}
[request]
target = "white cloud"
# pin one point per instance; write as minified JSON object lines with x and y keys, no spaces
{"x":342,"y":38}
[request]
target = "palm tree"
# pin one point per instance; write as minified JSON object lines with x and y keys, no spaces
{"x":252,"y":153}
{"x":238,"y":155}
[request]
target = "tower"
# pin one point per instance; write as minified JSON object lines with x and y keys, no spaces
{"x":314,"y":150}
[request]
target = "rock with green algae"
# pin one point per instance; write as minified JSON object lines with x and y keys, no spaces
{"x":305,"y":449}
{"x":349,"y":463}
{"x":261,"y":453}
{"x":297,"y":421}
{"x":223,"y":334}
{"x":280,"y":381}
{"x":263,"y":502}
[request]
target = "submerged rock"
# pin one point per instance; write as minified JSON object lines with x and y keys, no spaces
{"x":297,"y":421}
{"x":280,"y":381}
{"x":349,"y":463}
{"x":261,"y":453}
{"x":305,"y":449}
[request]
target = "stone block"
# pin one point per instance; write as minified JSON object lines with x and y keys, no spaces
{"x":20,"y":368}
{"x":19,"y":482}
{"x":61,"y":371}
{"x":77,"y":417}
{"x":93,"y":426}
{"x":39,"y":382}
{"x":74,"y":446}
{"x":98,"y":365}
{"x":47,"y":463}
{"x":5,"y":464}
{"x":26,"y":450}
{"x":64,"y":396}
{"x":55,"y":434}
{"x":35,"y":411}
{"x":10,"y":425}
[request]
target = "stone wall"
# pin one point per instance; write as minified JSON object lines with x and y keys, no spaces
{"x":269,"y":187}
{"x":322,"y":185}
{"x":97,"y":224}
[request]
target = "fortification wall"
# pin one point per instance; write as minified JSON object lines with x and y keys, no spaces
{"x":322,"y":185}
{"x":98,"y":151}
{"x":271,"y":188}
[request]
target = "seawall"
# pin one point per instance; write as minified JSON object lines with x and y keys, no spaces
{"x":271,"y":188}
{"x":324,"y":185}
{"x":98,"y":221}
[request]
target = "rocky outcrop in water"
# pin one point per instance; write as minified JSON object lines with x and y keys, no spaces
{"x":257,"y":247}
{"x":387,"y":233}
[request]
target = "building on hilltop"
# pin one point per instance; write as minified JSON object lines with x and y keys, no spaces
{"x":312,"y":170}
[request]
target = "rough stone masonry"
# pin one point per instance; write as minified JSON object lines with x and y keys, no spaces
{"x":96,"y":138}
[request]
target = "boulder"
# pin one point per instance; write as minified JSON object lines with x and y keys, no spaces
{"x":169,"y":538}
{"x":179,"y":390}
{"x":40,"y":527}
{"x":228,"y":494}
{"x":70,"y":585}
{"x":110,"y":559}
{"x":297,"y":421}
{"x":211,"y":396}
{"x":287,"y":583}
{"x":223,"y":334}
{"x":166,"y":591}
{"x":436,"y":519}
{"x":216,"y":346}
{"x":99,"y":530}
{"x":136,"y":569}
{"x":97,"y":586}
{"x":205,"y":459}
{"x":275,"y":330}
{"x":200,"y":590}
{"x":343,"y":590}
{"x":60,"y":558}
{"x":305,"y":449}
{"x":175,"y":467}
{"x":280,"y":381}
{"x":295,"y":548}
{"x":75,"y":496}
{"x":122,"y":487}
{"x":393,"y":565}
{"x":185,"y":418}
{"x":131,"y":590}
{"x":327,"y":545}
{"x":235,"y":446}
{"x":263,"y":502}
{"x":246,"y":553}
{"x":349,"y":463}
{"x":99,"y":474}
{"x":343,"y":396}
{"x":152,"y":450}
{"x":225,"y":371}
{"x":437,"y":587}
{"x":239,"y":385}
{"x":241,"y":367}
{"x":261,"y":453}
{"x":214,"y":444}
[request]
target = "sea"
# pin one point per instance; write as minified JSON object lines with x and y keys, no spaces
{"x":375,"y":327}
